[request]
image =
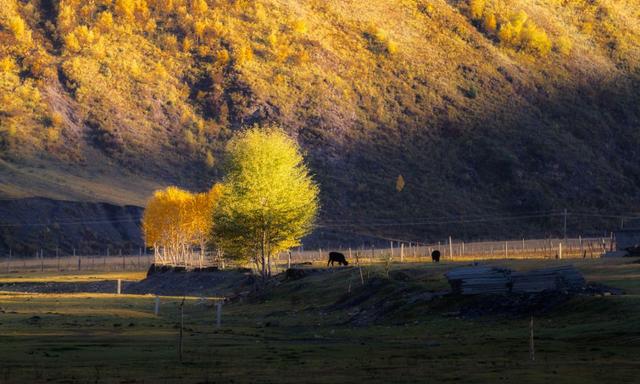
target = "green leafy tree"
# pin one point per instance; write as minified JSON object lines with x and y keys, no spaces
{"x":269,"y":200}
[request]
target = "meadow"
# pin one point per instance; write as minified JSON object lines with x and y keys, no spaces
{"x":305,"y":331}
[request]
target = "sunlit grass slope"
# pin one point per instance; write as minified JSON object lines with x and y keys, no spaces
{"x":512,"y":105}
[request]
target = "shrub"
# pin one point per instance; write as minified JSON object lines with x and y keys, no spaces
{"x":489,"y":23}
{"x":244,"y":54}
{"x":53,"y":135}
{"x":56,"y":119}
{"x":222,"y":57}
{"x":379,"y":41}
{"x":299,"y":27}
{"x":535,"y":40}
{"x":170,"y":42}
{"x":209,"y":160}
{"x":563,"y":45}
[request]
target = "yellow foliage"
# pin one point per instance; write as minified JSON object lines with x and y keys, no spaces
{"x":522,"y":33}
{"x":170,"y":42}
{"x":187,"y":44}
{"x":66,"y":19}
{"x":535,"y":39}
{"x":379,"y":41}
{"x":518,"y":20}
{"x":175,"y":219}
{"x":489,"y":23}
{"x":272,"y":39}
{"x":244,"y":54}
{"x":476,"y":9}
{"x":198,"y":29}
{"x":71,"y":42}
{"x":105,"y":21}
{"x":259,"y":12}
{"x":209,"y":160}
{"x":125,"y":9}
{"x":222,"y":57}
{"x":56,"y":119}
{"x":199,"y":7}
{"x":53,"y":135}
{"x":7,"y":65}
{"x":84,"y":35}
{"x":299,"y":27}
{"x":19,"y":29}
{"x":150,"y":26}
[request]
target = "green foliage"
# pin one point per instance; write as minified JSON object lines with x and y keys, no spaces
{"x":269,"y":201}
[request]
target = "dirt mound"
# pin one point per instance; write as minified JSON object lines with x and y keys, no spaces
{"x":383,"y":300}
{"x":199,"y":282}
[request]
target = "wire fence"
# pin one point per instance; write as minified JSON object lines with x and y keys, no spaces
{"x":461,"y":251}
{"x":397,"y":251}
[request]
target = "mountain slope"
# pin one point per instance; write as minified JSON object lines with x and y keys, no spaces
{"x":482,"y":106}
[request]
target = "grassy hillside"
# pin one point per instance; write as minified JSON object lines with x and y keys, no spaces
{"x":482,"y":106}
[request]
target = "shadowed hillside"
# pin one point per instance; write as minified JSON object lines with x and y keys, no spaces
{"x":483,"y":106}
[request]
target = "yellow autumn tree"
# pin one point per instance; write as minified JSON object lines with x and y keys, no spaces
{"x":175,"y":221}
{"x":165,"y":225}
{"x":199,"y":213}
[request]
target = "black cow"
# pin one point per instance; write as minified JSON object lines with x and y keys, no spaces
{"x":338,"y":258}
{"x":435,"y":256}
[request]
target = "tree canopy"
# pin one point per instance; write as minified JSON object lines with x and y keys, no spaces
{"x":269,"y":200}
{"x":175,"y":220}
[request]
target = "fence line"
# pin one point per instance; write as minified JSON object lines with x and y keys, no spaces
{"x":397,"y":251}
{"x":459,"y":250}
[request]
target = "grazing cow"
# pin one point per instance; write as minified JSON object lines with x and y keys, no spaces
{"x":435,"y":256}
{"x":338,"y":258}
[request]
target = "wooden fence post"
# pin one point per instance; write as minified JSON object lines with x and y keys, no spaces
{"x":401,"y":252}
{"x":391,"y":245}
{"x":156,"y":308}
{"x":532,"y":348}
{"x":119,"y":287}
{"x":560,"y":250}
{"x":181,"y":328}
{"x":360,"y":267}
{"x":450,"y":249}
{"x":218,"y":313}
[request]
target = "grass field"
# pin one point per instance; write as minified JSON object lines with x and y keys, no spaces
{"x":295,"y":333}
